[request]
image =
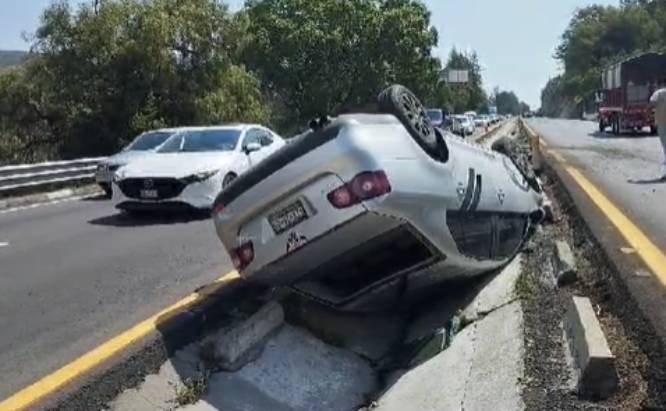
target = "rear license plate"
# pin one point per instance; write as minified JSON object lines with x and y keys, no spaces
{"x":148,"y":193}
{"x":288,"y":217}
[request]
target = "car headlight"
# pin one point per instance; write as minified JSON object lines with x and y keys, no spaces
{"x":119,"y":175}
{"x":199,"y":177}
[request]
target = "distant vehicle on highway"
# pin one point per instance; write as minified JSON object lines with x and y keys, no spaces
{"x":624,"y":100}
{"x":463,"y":125}
{"x":371,"y":208}
{"x":192,"y":166}
{"x":145,"y":143}
{"x":436,"y":117}
{"x":481,"y":121}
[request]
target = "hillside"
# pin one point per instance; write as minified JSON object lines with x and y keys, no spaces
{"x":12,"y":57}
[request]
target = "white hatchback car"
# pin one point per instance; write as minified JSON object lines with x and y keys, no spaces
{"x":142,"y":145}
{"x":190,"y":169}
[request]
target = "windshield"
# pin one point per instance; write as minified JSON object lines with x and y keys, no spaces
{"x":201,"y":140}
{"x":435,"y":115}
{"x":148,"y":141}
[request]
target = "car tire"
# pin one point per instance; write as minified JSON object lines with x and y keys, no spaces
{"x":616,"y":126}
{"x":108,"y":190}
{"x":228,"y":179}
{"x":653,"y":130}
{"x":520,"y":159}
{"x":602,"y":126}
{"x":402,"y":103}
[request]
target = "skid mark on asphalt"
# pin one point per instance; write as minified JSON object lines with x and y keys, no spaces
{"x":85,"y":364}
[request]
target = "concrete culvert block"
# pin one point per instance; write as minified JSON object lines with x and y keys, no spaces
{"x":595,"y":364}
{"x":234,"y":347}
{"x":564,"y":263}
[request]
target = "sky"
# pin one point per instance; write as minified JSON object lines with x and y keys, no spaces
{"x":515,"y":39}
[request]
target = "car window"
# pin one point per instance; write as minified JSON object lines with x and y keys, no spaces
{"x":202,"y":141}
{"x":435,"y":115}
{"x":510,"y":232}
{"x":472,"y":232}
{"x":149,"y":140}
{"x":253,"y":135}
{"x":265,"y":138}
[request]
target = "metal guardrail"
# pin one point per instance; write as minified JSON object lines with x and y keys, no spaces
{"x":21,"y":176}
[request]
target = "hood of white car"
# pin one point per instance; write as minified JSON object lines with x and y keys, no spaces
{"x":176,"y":165}
{"x":125,"y":157}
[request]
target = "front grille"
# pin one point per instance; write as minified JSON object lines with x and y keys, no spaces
{"x":166,"y":187}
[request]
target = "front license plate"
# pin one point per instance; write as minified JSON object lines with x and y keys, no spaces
{"x":148,"y":193}
{"x":288,"y":217}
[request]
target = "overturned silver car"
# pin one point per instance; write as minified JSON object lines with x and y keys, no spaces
{"x":372,"y":208}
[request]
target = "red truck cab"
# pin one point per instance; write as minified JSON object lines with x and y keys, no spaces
{"x":624,"y":100}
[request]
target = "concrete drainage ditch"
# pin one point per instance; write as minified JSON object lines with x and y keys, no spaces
{"x":461,"y":349}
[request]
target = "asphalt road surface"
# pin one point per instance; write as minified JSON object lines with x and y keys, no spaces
{"x":73,"y":275}
{"x":624,"y":167}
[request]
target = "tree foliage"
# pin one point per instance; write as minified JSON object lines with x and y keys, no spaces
{"x":506,"y":102}
{"x":102,"y":72}
{"x":105,"y":74}
{"x":318,"y":56}
{"x":596,"y":37}
{"x":459,"y":98}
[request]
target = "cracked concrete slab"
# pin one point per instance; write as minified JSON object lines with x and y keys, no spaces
{"x":481,"y":370}
{"x":499,"y":291}
{"x":158,"y":391}
{"x":296,"y":371}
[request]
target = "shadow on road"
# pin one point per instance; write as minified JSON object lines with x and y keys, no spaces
{"x":97,"y":198}
{"x":659,"y":180}
{"x":147,"y":219}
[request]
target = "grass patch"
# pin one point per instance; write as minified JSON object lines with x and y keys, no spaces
{"x":192,"y":389}
{"x":525,"y":286}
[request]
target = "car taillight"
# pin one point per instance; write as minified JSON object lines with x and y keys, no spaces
{"x":364,"y":186}
{"x":242,"y":256}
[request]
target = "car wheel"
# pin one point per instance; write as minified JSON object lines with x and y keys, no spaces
{"x":602,"y":126}
{"x":402,"y":103}
{"x":108,"y":190}
{"x":519,"y":158}
{"x":653,"y":130}
{"x":228,"y":179}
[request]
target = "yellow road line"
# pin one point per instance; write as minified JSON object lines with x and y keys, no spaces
{"x":651,"y":255}
{"x":57,"y":380}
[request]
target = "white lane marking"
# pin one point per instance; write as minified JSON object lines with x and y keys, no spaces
{"x":3,"y":244}
{"x":66,"y":200}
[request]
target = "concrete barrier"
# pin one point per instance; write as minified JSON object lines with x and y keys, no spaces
{"x":597,"y":377}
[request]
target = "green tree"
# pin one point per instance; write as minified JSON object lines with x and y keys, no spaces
{"x":507,"y":103}
{"x":598,"y":35}
{"x":103,"y":74}
{"x":318,"y":56}
{"x":462,"y":97}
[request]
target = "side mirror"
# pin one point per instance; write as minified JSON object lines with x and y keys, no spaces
{"x":252,"y":147}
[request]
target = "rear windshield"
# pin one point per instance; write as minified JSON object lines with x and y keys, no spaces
{"x":435,"y":115}
{"x":201,"y":140}
{"x":148,"y":141}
